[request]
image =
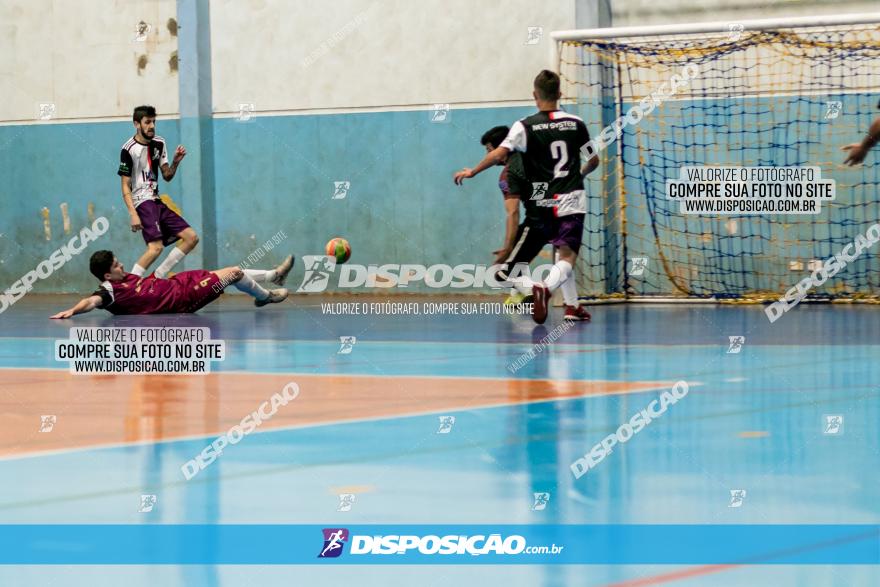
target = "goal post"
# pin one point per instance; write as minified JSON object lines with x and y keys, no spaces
{"x":758,"y":93}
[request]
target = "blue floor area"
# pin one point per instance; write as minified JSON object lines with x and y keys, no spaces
{"x":752,"y":420}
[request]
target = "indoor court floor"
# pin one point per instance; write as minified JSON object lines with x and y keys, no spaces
{"x":366,"y":423}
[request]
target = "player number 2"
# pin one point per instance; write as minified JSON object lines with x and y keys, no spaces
{"x":559,"y":150}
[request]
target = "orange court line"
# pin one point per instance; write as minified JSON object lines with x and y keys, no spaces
{"x":103,"y":410}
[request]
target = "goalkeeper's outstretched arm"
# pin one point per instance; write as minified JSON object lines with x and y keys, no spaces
{"x":858,"y":151}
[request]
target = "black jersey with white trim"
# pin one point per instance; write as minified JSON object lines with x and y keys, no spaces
{"x":551,"y":144}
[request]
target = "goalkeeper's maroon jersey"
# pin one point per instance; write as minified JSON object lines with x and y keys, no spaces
{"x":185,"y":292}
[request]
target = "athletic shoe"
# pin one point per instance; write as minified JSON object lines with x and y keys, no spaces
{"x":282,"y":270}
{"x":541,"y":296}
{"x":576,"y":313}
{"x":514,"y":299}
{"x":275,"y":296}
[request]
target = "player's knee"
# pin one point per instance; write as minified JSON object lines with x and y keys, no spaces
{"x":155,"y":247}
{"x":235,"y":273}
{"x":191,"y":237}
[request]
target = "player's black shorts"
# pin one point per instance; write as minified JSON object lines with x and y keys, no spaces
{"x":530,"y":239}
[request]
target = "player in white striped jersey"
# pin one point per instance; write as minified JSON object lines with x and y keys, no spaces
{"x":142,"y":158}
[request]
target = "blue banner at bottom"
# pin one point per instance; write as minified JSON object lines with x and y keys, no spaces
{"x":440,"y":544}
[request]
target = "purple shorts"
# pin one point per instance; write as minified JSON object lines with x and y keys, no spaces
{"x":568,"y":230}
{"x":160,"y":222}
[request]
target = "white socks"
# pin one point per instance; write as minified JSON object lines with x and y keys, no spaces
{"x":138,"y":270}
{"x":260,"y":275}
{"x":561,"y":271}
{"x":569,"y":292}
{"x":251,"y":287}
{"x":170,"y":261}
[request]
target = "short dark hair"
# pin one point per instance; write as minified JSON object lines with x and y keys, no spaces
{"x":141,"y":111}
{"x":547,"y":85}
{"x":494,"y":136}
{"x":100,"y":263}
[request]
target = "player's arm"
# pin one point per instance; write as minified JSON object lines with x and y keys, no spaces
{"x":168,"y":171}
{"x":591,"y":165}
{"x":84,"y":305}
{"x":592,"y":158}
{"x":125,"y":166}
{"x":511,"y":207}
{"x":858,"y":151}
{"x":515,"y":141}
{"x":492,"y":158}
{"x":129,"y":203}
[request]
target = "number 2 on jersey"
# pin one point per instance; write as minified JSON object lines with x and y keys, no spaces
{"x":559,"y":150}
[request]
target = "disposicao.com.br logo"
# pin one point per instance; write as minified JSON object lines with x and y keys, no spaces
{"x":319,"y":270}
{"x":480,"y":544}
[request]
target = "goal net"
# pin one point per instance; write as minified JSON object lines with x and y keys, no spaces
{"x":763,"y":95}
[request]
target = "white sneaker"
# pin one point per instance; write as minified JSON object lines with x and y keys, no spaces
{"x":275,"y":296}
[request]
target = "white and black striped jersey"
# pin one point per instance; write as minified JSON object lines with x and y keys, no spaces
{"x":551,"y":144}
{"x":142,"y":164}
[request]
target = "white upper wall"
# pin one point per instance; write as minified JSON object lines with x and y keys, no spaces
{"x":315,"y":54}
{"x":81,"y":55}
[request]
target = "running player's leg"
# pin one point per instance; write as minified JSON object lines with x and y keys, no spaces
{"x":149,"y":214}
{"x":173,"y":229}
{"x":567,"y":238}
{"x":154,"y":249}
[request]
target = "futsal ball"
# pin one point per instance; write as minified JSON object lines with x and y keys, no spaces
{"x":338,"y":247}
